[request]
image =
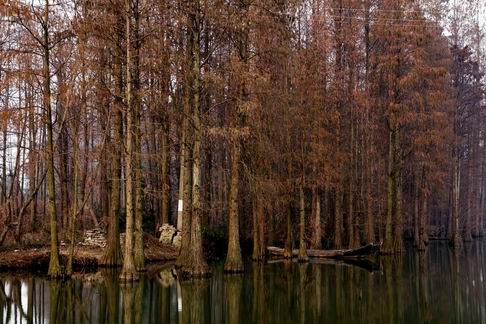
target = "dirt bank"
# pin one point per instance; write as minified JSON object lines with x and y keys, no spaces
{"x":37,"y":257}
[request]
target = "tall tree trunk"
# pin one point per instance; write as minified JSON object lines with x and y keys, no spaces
{"x":316,"y":240}
{"x":74,"y":207}
{"x":351,"y":221}
{"x":54,"y":267}
{"x":370,"y":226}
{"x":388,"y":239}
{"x":139,"y":254}
{"x":198,"y":266}
{"x":397,"y":215}
{"x":63,"y":168}
{"x":185,"y":253}
{"x":370,"y":219}
{"x":289,"y":241}
{"x":234,"y":262}
{"x":184,"y":207}
{"x":164,"y":172}
{"x":129,"y":272}
{"x":258,"y":229}
{"x":467,"y":236}
{"x":182,"y":164}
{"x":338,"y":217}
{"x":423,"y":238}
{"x":416,"y":215}
{"x":455,"y":237}
{"x":482,"y":193}
{"x":33,"y":160}
{"x":112,"y":256}
{"x":302,"y":246}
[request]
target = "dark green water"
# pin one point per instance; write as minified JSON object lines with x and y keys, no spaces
{"x":436,"y":287}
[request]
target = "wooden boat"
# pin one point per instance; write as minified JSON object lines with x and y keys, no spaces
{"x":362,"y":251}
{"x":361,"y":263}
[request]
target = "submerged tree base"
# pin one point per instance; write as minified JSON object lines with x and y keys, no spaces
{"x":234,"y":267}
{"x":195,"y":271}
{"x":55,"y":271}
{"x":398,"y":247}
{"x":287,"y":253}
{"x":456,"y":242}
{"x":57,"y":275}
{"x":129,"y":276}
{"x":388,"y":248}
{"x":112,"y":256}
{"x":302,"y":257}
{"x":111,"y":261}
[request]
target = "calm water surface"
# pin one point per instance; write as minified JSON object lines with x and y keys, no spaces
{"x":436,"y":287}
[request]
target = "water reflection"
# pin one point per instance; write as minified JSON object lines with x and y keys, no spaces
{"x":436,"y":286}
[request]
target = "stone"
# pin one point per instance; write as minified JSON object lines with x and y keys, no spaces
{"x":94,"y":238}
{"x":170,"y":235}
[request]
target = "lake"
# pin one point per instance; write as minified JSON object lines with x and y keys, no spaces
{"x":437,"y":286}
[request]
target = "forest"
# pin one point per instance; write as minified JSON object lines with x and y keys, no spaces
{"x":295,"y":123}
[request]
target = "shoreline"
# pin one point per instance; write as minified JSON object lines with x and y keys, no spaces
{"x":86,"y":257}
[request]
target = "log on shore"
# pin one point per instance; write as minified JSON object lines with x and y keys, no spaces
{"x":368,"y":249}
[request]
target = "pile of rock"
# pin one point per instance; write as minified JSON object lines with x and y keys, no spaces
{"x":170,"y":235}
{"x":94,"y":238}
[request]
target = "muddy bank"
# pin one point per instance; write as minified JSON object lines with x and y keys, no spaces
{"x":37,"y":257}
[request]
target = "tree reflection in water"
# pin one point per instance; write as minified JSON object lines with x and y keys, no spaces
{"x":439,"y":285}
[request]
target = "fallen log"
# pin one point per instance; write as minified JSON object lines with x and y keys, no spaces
{"x":368,"y":249}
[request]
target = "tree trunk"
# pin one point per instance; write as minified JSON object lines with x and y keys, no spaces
{"x":129,"y":272}
{"x":398,"y":221}
{"x":370,"y":226}
{"x":416,"y":216}
{"x":139,"y":255}
{"x":351,"y":222}
{"x":289,"y":241}
{"x":350,"y":217}
{"x":198,"y":266}
{"x":184,"y":206}
{"x":164,"y":172}
{"x":482,"y":194}
{"x":455,"y":237}
{"x":423,"y":239}
{"x":258,"y":234}
{"x":338,"y":218}
{"x":185,"y":254}
{"x":370,"y":219}
{"x":234,"y":262}
{"x":33,"y":161}
{"x":54,"y":267}
{"x":388,"y":239}
{"x":182,"y":163}
{"x":112,"y":256}
{"x":74,"y":208}
{"x":468,"y":222}
{"x":316,"y":241}
{"x":302,"y":246}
